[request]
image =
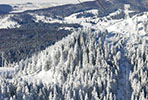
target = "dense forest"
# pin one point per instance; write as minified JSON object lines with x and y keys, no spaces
{"x":83,"y":66}
{"x":30,"y":38}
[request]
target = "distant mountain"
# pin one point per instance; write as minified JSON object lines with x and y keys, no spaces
{"x":4,"y":9}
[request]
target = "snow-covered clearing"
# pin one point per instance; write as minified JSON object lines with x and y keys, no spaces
{"x":5,"y":22}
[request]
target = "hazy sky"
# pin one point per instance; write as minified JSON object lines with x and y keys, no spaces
{"x":36,"y":1}
{"x":22,"y":1}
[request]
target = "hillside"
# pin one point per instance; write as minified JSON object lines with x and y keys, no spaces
{"x":102,"y":55}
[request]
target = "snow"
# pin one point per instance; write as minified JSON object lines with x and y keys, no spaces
{"x":82,"y":21}
{"x":5,"y":22}
{"x":46,"y":77}
{"x":41,"y":18}
{"x":130,"y":27}
{"x":69,"y":63}
{"x":5,"y":69}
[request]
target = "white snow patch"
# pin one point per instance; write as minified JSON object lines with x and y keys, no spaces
{"x":86,"y":22}
{"x":41,"y":18}
{"x":46,"y":77}
{"x":5,"y":22}
{"x":5,"y":69}
{"x":129,"y":26}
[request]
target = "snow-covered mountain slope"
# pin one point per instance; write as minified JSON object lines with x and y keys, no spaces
{"x":107,"y":60}
{"x":6,"y":22}
{"x":68,"y":12}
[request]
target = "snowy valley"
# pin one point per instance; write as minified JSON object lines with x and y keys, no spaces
{"x":101,"y":56}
